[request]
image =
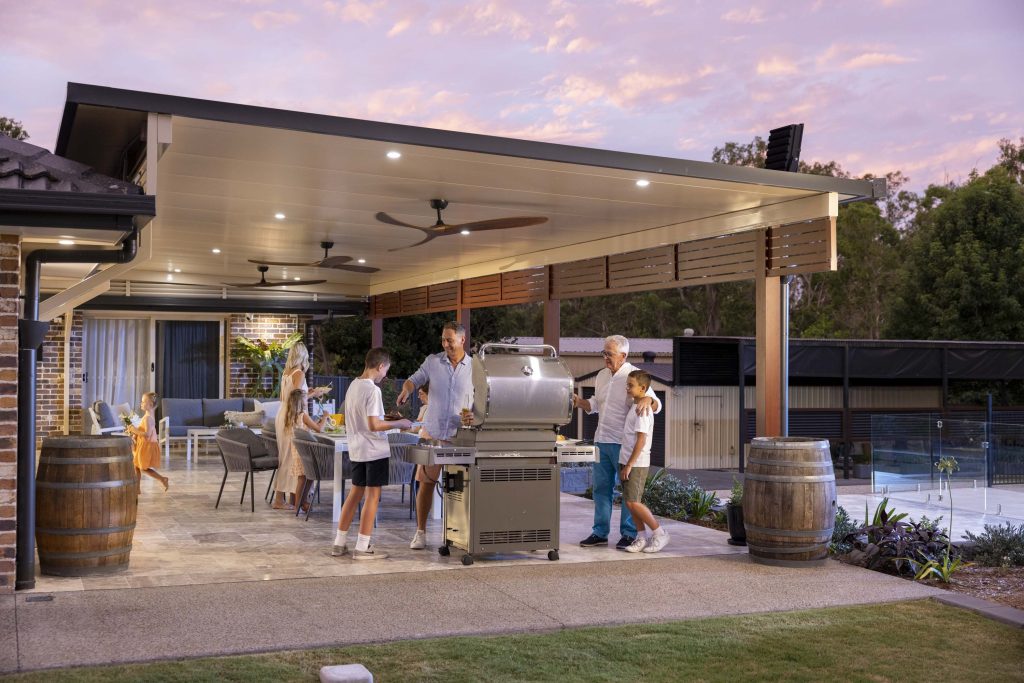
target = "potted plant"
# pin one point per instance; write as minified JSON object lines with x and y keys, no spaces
{"x":734,"y":514}
{"x":862,"y":463}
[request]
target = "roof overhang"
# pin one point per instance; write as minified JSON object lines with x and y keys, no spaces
{"x":227,"y":168}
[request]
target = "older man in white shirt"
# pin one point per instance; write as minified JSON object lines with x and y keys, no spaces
{"x":610,"y":401}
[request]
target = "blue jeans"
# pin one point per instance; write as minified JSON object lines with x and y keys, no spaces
{"x":606,"y":474}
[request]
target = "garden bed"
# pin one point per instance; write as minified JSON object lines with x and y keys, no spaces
{"x":1004,"y":585}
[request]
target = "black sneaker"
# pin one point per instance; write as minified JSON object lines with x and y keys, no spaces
{"x":625,"y":542}
{"x":593,"y":540}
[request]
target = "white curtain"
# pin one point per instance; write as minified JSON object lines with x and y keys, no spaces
{"x":117,"y":361}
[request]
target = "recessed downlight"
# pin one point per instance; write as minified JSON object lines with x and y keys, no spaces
{"x":279,"y":216}
{"x":66,"y":243}
{"x":170,"y":278}
{"x":393,"y":154}
{"x":296,"y":277}
{"x":215,"y":250}
{"x":464,"y":232}
{"x":362,"y":260}
{"x":177,"y":270}
{"x":643,"y":182}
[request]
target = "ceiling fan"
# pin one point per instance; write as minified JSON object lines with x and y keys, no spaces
{"x":336,"y":262}
{"x":441,"y":229}
{"x":264,"y":282}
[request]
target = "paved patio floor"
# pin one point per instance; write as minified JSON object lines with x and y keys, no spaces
{"x":206,"y":582}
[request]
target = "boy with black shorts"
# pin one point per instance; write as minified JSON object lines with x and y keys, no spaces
{"x":635,"y":462}
{"x":368,"y":450}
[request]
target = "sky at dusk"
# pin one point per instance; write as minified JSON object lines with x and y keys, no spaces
{"x":923,"y":87}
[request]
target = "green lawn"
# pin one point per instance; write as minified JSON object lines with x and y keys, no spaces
{"x":921,"y":640}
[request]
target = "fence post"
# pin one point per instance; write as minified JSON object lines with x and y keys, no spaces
{"x":989,"y":463}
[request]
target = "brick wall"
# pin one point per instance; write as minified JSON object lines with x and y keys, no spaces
{"x":266,"y":326}
{"x":10,"y":265}
{"x":50,"y":380}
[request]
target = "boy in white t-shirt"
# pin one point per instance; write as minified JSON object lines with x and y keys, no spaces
{"x":634,"y":463}
{"x":368,"y":451}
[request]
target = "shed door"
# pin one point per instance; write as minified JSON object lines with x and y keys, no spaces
{"x":705,"y":432}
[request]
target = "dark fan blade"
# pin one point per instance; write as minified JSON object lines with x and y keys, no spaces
{"x":271,"y":283}
{"x":358,"y":269}
{"x":333,"y":261}
{"x":343,"y":263}
{"x":284,"y":263}
{"x":384,"y":218}
{"x":429,"y":236}
{"x":496,"y":224}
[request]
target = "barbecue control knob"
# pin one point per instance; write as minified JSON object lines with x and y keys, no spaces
{"x":527,"y":370}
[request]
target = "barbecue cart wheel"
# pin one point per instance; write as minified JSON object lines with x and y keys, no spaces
{"x":444,"y":551}
{"x":467,"y":560}
{"x":552,"y":555}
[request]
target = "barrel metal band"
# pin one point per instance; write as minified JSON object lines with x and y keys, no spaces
{"x":789,"y":445}
{"x":795,"y":533}
{"x":85,"y":485}
{"x":85,"y":532}
{"x":788,"y":550}
{"x":810,"y":478}
{"x":50,"y":460}
{"x":774,"y":463}
{"x":84,"y":556}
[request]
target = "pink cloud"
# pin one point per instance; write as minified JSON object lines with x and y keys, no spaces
{"x":268,"y":19}
{"x":873,"y":59}
{"x":776,"y":66}
{"x":751,"y":15}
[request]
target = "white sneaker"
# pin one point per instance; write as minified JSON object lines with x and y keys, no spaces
{"x":339,"y":550}
{"x":419,"y":541}
{"x":658,"y":541}
{"x":369,"y":554}
{"x":638,"y":544}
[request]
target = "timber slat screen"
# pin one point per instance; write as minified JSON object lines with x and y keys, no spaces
{"x":718,"y":259}
{"x":579,"y":278}
{"x":807,"y":247}
{"x":646,"y":269}
{"x":524,"y":286}
{"x":803,"y":247}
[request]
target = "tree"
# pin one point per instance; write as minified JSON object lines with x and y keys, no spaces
{"x":1011,"y":157}
{"x":965,"y":263}
{"x":12,"y":128}
{"x":852,"y":302}
{"x":736,"y":154}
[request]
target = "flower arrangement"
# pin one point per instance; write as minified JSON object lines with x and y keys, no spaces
{"x":130,"y":420}
{"x":265,"y":359}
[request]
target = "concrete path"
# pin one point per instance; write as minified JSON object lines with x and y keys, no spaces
{"x":106,"y":626}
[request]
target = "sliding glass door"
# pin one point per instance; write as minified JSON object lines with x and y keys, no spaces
{"x":188,"y":359}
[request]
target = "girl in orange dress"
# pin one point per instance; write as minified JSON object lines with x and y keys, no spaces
{"x":146,"y":451}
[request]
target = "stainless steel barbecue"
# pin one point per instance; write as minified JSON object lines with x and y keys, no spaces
{"x":502,"y":477}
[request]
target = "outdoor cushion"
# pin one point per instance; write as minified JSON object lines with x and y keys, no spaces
{"x":178,"y":430}
{"x":269,"y":426}
{"x":269,"y":408}
{"x":248,"y":405}
{"x":182,"y":412}
{"x":106,"y":415}
{"x":249,"y":419}
{"x":214,"y":409}
{"x":303,"y":435}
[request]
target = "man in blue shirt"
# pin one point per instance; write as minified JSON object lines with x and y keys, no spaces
{"x":450,"y":375}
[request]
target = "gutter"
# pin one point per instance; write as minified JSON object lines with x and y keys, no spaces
{"x":31,"y":332}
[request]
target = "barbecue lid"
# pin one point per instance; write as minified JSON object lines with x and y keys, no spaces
{"x":520,"y":385}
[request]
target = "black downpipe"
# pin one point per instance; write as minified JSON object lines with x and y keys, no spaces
{"x":31,"y":332}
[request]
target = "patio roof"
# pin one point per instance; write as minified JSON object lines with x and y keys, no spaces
{"x":226,"y":169}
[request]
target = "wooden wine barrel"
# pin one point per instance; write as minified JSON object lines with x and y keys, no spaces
{"x":789,"y":501}
{"x":85,"y":505}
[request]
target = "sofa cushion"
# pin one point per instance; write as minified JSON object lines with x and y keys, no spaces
{"x":182,"y":412}
{"x":105,"y":414}
{"x":249,"y":419}
{"x":214,"y":409}
{"x":177,"y":431}
{"x":269,"y":408}
{"x":248,"y":405}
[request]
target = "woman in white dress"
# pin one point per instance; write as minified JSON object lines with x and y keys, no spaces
{"x":288,"y":477}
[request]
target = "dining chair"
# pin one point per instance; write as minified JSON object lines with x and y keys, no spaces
{"x":317,"y":457}
{"x":400,"y":470}
{"x":243,"y":451}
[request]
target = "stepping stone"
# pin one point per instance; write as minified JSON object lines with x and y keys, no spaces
{"x":345,"y":673}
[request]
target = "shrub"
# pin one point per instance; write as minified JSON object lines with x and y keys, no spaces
{"x":664,"y":494}
{"x":999,"y":546}
{"x":736,"y":494}
{"x":844,"y":526}
{"x":892,"y":545}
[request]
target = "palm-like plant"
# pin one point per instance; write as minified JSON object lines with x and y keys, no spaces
{"x":265,"y":359}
